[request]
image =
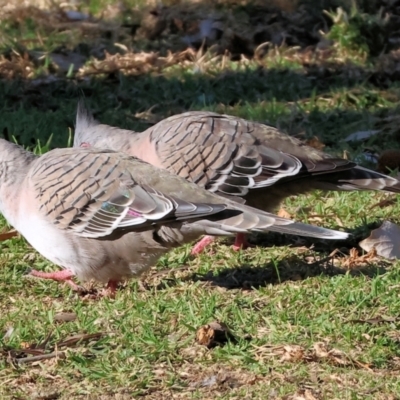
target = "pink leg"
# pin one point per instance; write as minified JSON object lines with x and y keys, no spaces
{"x":240,"y":242}
{"x":200,"y":245}
{"x":85,"y":145}
{"x":61,"y":276}
{"x":111,"y":289}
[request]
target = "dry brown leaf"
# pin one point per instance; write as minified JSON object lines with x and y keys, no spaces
{"x":8,"y":235}
{"x":394,"y":335}
{"x":65,"y":317}
{"x":289,"y":352}
{"x":315,"y":218}
{"x":339,"y":221}
{"x":73,"y":340}
{"x":354,"y":260}
{"x":385,"y":203}
{"x":385,"y":239}
{"x":284,"y":214}
{"x":319,"y":352}
{"x":292,"y":353}
{"x":41,"y":357}
{"x":304,"y":394}
{"x":149,"y":116}
{"x":213,"y":334}
{"x":137,"y":63}
{"x":335,"y":356}
{"x":315,"y":143}
{"x":376,"y":320}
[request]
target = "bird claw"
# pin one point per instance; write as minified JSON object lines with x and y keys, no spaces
{"x":244,"y":246}
{"x":241,"y":242}
{"x":59,"y":276}
{"x":110,"y":290}
{"x":201,"y":245}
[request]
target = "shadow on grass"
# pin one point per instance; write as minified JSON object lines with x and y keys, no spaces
{"x":35,"y":109}
{"x":297,"y":268}
{"x":274,"y":96}
{"x":294,"y":268}
{"x":248,"y":277}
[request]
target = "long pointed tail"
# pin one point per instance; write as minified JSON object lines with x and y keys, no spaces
{"x":358,"y":178}
{"x":259,"y":221}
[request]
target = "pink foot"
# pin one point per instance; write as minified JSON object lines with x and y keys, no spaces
{"x":241,"y":242}
{"x":110,"y":289}
{"x":60,"y":276}
{"x":85,"y":145}
{"x":200,"y":245}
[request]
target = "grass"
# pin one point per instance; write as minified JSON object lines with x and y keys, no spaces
{"x":269,"y":297}
{"x":308,"y":322}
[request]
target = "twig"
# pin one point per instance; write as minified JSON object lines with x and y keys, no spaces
{"x":54,"y":354}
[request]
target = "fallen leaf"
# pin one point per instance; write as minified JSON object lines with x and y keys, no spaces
{"x":303,"y":394}
{"x":320,"y":350}
{"x":318,"y":353}
{"x":292,"y":353}
{"x":8,"y":235}
{"x":42,"y":351}
{"x":385,"y":239}
{"x":315,"y":218}
{"x":73,"y":340}
{"x":334,"y":356}
{"x":41,"y":357}
{"x":394,"y":335}
{"x":284,"y":214}
{"x":315,"y":143}
{"x":213,"y":334}
{"x":384,"y":203}
{"x":65,"y":317}
{"x":354,"y":260}
{"x":149,"y":116}
{"x":376,"y":320}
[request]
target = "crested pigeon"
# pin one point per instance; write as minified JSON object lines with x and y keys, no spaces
{"x":104,"y":215}
{"x":249,"y":162}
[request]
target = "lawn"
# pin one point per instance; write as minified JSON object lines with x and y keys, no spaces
{"x":308,"y":319}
